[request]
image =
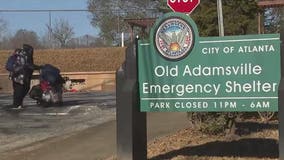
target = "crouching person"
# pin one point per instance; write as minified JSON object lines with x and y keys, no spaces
{"x":49,"y":91}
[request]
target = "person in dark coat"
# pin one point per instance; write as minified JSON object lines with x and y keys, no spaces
{"x":21,"y":88}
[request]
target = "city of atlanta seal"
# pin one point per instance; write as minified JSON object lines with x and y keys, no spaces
{"x":174,"y":39}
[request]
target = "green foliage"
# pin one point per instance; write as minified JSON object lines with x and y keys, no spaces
{"x":240,"y":17}
{"x":213,"y":123}
{"x":205,"y":16}
{"x":163,"y":7}
{"x":272,"y":20}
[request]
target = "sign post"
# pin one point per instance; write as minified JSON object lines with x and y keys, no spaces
{"x":131,"y":123}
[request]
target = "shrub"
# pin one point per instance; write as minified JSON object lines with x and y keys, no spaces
{"x":76,"y":60}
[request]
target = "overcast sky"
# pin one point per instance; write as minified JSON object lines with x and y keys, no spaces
{"x":37,"y":21}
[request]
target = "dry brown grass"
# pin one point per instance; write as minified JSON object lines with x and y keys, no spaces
{"x":190,"y":144}
{"x":76,"y":60}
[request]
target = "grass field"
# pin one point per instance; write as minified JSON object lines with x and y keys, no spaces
{"x":76,"y":60}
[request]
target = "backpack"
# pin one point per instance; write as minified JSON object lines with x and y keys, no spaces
{"x":10,"y":63}
{"x":50,"y":73}
{"x":16,"y":62}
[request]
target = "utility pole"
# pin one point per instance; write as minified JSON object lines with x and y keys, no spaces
{"x":281,"y":90}
{"x":282,"y":38}
{"x":122,"y":39}
{"x":49,"y":30}
{"x":220,"y":18}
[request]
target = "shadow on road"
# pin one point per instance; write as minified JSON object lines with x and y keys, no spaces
{"x":246,"y":128}
{"x":257,"y":148}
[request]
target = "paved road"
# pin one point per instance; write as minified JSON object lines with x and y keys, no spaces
{"x":84,"y":128}
{"x":34,"y":123}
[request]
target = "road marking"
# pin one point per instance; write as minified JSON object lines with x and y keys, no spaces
{"x":44,"y":114}
{"x":72,"y":108}
{"x":64,"y":113}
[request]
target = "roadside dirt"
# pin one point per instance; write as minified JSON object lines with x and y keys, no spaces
{"x":252,"y":140}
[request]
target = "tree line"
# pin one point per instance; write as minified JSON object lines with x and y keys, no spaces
{"x":59,"y":35}
{"x":240,"y":18}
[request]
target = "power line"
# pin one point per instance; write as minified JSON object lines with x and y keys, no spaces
{"x":67,"y":10}
{"x":43,"y":10}
{"x":49,"y":11}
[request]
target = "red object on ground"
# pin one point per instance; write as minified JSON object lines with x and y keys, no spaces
{"x":44,"y":85}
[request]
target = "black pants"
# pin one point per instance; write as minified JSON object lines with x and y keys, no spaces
{"x":20,"y":91}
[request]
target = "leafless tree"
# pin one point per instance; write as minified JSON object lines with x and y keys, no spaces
{"x":82,"y":41}
{"x":61,"y":31}
{"x":25,"y":36}
{"x":3,"y":28}
{"x":109,"y":15}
